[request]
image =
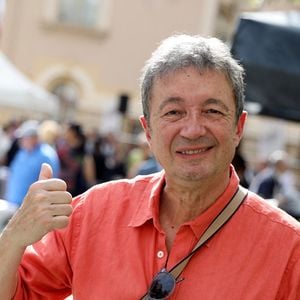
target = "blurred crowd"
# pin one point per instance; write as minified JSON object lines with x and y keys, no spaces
{"x":273,"y":179}
{"x":80,"y":157}
{"x":83,"y":158}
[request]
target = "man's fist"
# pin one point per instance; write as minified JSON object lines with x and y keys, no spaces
{"x":47,"y":206}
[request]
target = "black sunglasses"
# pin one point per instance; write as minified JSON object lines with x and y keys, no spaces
{"x":162,"y":286}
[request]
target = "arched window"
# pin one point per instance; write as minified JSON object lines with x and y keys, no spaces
{"x":68,"y":94}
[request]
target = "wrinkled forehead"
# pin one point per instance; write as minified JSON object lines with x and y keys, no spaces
{"x":189,"y":71}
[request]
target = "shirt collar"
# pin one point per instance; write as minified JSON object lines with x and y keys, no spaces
{"x":148,"y":207}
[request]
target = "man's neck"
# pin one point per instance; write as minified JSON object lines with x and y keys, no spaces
{"x":180,"y":203}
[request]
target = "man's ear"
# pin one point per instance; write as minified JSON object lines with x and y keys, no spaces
{"x":240,"y":127}
{"x":146,"y":127}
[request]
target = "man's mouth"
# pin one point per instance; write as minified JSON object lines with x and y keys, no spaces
{"x":194,"y":151}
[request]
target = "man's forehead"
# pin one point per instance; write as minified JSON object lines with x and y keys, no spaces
{"x":188,"y":71}
{"x":166,"y":79}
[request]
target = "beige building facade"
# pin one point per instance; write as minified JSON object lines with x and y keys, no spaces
{"x":90,"y":53}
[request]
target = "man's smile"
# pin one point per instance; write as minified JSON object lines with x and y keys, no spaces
{"x":193,"y":151}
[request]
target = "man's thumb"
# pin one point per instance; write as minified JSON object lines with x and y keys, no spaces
{"x":45,"y":172}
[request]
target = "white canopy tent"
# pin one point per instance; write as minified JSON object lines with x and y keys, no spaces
{"x":17,"y":91}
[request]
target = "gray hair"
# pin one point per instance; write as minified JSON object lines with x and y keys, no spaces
{"x":181,"y":51}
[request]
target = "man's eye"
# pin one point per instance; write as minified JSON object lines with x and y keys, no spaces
{"x":214,"y":111}
{"x":172,"y":113}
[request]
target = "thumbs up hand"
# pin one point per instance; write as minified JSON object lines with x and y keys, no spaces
{"x":45,"y":172}
{"x":47,"y":206}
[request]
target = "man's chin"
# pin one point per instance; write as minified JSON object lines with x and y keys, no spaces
{"x":193,"y":176}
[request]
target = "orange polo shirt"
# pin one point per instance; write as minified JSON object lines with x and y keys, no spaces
{"x":114,"y":245}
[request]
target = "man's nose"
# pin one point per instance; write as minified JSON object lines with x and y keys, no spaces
{"x":193,"y":127}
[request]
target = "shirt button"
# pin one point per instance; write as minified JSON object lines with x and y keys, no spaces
{"x":160,"y":254}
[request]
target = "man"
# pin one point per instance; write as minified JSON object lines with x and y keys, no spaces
{"x":71,"y":153}
{"x":277,"y":182}
{"x":25,"y":166}
{"x":121,"y":234}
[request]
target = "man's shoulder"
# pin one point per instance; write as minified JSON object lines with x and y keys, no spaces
{"x":116,"y":200}
{"x":132,"y":188}
{"x":266,"y":212}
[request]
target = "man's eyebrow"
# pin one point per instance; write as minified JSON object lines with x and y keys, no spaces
{"x":217,"y":102}
{"x":169,"y":100}
{"x":178,"y":100}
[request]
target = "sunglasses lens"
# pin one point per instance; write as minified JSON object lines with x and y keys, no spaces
{"x":162,"y":286}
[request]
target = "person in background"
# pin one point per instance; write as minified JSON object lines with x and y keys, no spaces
{"x":10,"y":129}
{"x":5,"y":143}
{"x":95,"y":168}
{"x":277,"y":182}
{"x":240,"y":166}
{"x":25,"y":166}
{"x":143,"y":161}
{"x":50,"y":132}
{"x":71,"y":153}
{"x":115,"y":166}
{"x":120,"y":239}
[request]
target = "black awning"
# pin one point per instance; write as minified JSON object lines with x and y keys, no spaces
{"x":268,"y":46}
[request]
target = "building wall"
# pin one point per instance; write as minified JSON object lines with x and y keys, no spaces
{"x":101,"y":63}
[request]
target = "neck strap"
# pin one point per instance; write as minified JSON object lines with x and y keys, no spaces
{"x":213,"y":228}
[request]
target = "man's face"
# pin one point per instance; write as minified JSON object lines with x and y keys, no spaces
{"x":28,"y":142}
{"x":193,"y":132}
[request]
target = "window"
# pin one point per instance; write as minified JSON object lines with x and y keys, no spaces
{"x":92,"y":15}
{"x":79,"y":12}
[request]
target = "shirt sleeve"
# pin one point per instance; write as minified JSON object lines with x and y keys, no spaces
{"x":45,"y":271}
{"x":290,"y":287}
